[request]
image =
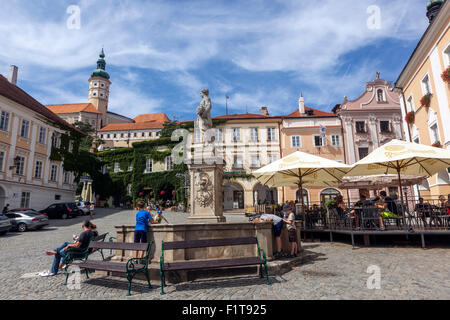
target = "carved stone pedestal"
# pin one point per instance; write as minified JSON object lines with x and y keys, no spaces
{"x":206,"y":193}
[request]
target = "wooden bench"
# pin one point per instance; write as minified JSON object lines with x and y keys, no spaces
{"x":132,"y":267}
{"x":260,"y":259}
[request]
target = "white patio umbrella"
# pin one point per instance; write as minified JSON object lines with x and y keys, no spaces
{"x":302,"y":169}
{"x":401,"y":157}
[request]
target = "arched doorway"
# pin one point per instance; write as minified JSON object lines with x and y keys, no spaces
{"x":233,"y":196}
{"x":264,"y":195}
{"x":305,"y":197}
{"x":2,"y":198}
{"x":328,"y":194}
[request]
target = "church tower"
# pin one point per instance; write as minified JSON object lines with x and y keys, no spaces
{"x":99,"y":89}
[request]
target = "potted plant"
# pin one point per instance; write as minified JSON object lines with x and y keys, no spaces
{"x":446,"y":75}
{"x":426,"y":100}
{"x":437,"y":144}
{"x":410,"y":117}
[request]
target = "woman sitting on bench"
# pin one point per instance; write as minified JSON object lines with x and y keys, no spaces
{"x":81,"y":243}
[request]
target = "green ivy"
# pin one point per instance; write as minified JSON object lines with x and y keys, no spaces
{"x":157,"y":150}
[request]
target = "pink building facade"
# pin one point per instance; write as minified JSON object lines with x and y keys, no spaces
{"x":370,"y":121}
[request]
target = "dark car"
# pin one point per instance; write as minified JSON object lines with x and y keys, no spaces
{"x":27,"y":220}
{"x":62,"y":211}
{"x":5,"y":225}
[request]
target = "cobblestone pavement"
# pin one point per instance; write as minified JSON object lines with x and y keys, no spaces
{"x":331,"y":271}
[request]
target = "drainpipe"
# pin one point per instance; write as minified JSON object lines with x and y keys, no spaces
{"x":281,"y":155}
{"x":407,"y":125}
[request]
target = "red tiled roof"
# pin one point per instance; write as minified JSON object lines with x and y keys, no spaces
{"x":159,"y":117}
{"x":73,"y":108}
{"x":19,"y":96}
{"x":317,"y":113}
{"x":132,"y":126}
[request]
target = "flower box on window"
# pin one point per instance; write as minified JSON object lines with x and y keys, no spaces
{"x":410,"y":117}
{"x":426,"y":100}
{"x":446,"y":75}
{"x":437,"y":144}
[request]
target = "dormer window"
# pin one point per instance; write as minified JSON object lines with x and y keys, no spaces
{"x":380,"y":95}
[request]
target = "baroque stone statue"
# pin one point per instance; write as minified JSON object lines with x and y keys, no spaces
{"x":204,"y":121}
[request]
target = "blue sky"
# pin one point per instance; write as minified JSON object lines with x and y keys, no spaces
{"x":160,"y":54}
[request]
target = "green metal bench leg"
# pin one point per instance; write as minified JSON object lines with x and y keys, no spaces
{"x":148,"y":279}
{"x":163,"y":282}
{"x":261,"y":272}
{"x":67,"y":277}
{"x":87,"y":274}
{"x":130,"y":279}
{"x":267,"y":274}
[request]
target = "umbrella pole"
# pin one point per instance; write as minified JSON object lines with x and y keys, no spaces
{"x":401,"y":197}
{"x":300,"y":185}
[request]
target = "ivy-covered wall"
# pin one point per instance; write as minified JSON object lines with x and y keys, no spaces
{"x":150,"y":184}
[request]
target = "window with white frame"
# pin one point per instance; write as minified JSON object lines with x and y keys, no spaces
{"x":24,"y":130}
{"x":238,"y":162}
{"x":410,"y":104}
{"x":169,"y":165}
{"x":255,"y":161}
{"x":2,"y":160}
{"x":335,"y":140}
{"x":25,"y":199}
{"x":157,"y":133}
{"x":447,"y":56}
{"x":149,"y":166}
{"x":272,"y":158}
{"x":219,"y":135}
{"x":54,"y":172}
{"x":271,"y":134}
{"x":4,"y":121}
{"x":433,"y":127}
{"x":426,"y":86}
{"x":20,"y":167}
{"x":122,"y":135}
{"x":254,"y":135}
{"x":57,"y":139}
{"x":236,"y":134}
{"x":318,"y":141}
{"x":296,"y":142}
{"x":66,"y":177}
{"x":38,"y":170}
{"x":42,"y":135}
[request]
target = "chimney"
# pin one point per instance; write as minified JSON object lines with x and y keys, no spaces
{"x":264,"y":111}
{"x":433,"y":8}
{"x":301,"y":104}
{"x":13,"y":75}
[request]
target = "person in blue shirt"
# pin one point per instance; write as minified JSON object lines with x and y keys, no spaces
{"x":143,"y":218}
{"x":159,"y":215}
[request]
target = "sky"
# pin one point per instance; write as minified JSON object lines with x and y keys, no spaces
{"x":160,"y":54}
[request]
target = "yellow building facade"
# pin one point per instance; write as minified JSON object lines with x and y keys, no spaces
{"x":428,"y":122}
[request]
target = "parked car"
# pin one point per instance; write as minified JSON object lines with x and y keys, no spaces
{"x":62,"y":211}
{"x":23,"y":210}
{"x":5,"y":225}
{"x":84,"y":206}
{"x":27,"y":220}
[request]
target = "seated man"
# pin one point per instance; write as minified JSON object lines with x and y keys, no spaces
{"x":59,"y":253}
{"x":356,"y":212}
{"x":423,"y":210}
{"x":278,"y":224}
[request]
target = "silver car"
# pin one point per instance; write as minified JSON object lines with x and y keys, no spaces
{"x":5,"y":224}
{"x":27,"y":220}
{"x":86,"y":207}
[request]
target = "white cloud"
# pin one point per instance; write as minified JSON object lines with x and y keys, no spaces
{"x":307,"y":40}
